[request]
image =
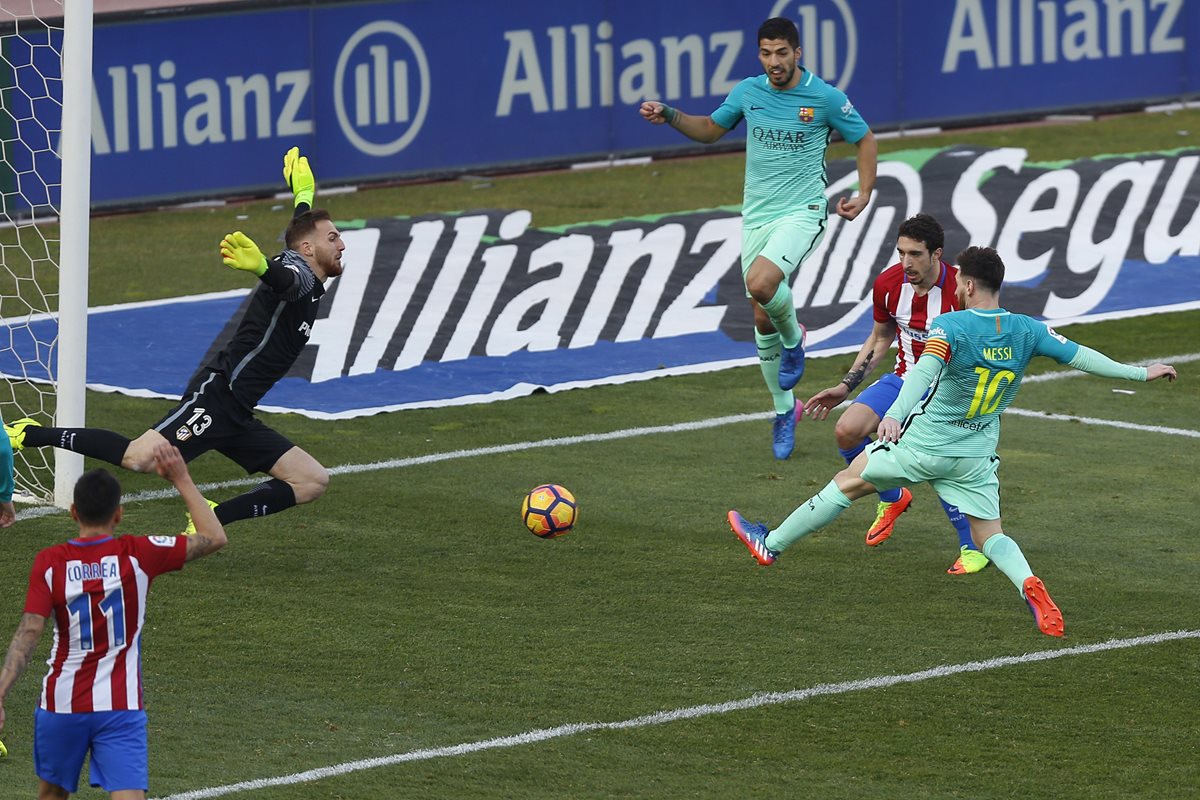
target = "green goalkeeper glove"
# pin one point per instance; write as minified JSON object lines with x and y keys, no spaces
{"x":299,"y":177}
{"x":239,"y":251}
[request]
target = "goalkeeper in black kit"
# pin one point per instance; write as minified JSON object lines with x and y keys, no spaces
{"x":216,"y":411}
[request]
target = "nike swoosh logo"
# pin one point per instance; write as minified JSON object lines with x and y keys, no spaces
{"x":757,"y":108}
{"x":315,"y":299}
{"x":785,"y":258}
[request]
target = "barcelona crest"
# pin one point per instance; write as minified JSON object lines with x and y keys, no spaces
{"x":805,"y":113}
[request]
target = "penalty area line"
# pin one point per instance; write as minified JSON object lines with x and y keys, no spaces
{"x":691,"y":712}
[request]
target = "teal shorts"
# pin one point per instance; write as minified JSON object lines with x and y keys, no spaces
{"x":785,"y":242}
{"x":967,"y":482}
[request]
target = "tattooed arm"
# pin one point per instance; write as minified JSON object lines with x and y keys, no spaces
{"x":210,"y":535}
{"x":873,"y":351}
{"x":24,"y":642}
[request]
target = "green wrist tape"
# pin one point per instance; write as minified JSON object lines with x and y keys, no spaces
{"x":668,"y":113}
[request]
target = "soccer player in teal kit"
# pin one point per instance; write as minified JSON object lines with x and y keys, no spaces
{"x":972,"y":366}
{"x":790,"y":115}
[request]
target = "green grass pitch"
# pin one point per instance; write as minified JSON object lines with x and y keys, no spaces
{"x":409,"y":609}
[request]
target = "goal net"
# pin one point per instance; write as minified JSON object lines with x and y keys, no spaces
{"x":45,"y":132}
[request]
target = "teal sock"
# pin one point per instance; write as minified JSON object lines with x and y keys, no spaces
{"x":782,"y":312}
{"x":815,"y":513}
{"x":1008,"y":558}
{"x":768,"y":362}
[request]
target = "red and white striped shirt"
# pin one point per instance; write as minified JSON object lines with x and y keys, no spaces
{"x":96,"y":591}
{"x":896,"y":300}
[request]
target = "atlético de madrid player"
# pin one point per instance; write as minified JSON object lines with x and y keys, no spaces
{"x":94,"y":586}
{"x":907,"y":296}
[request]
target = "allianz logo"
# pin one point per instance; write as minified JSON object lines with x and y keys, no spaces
{"x":381,"y":88}
{"x":381,"y":91}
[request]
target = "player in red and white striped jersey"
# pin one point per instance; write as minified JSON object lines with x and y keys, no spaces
{"x":907,"y":295}
{"x":95,"y":587}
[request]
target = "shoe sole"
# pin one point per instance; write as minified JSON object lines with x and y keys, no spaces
{"x":874,"y":540}
{"x":732,"y":518}
{"x":1049,"y":619}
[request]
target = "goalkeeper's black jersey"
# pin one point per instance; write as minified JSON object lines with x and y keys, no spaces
{"x":273,"y":330}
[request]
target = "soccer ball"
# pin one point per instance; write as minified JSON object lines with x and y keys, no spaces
{"x":549,"y":510}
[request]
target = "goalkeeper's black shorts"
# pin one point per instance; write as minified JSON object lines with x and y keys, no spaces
{"x":208,"y":417}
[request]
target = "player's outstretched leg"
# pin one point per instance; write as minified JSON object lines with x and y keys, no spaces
{"x":94,"y":442}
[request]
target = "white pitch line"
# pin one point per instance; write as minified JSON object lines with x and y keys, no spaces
{"x":1111,"y":423}
{"x":625,"y":433}
{"x":691,"y":712}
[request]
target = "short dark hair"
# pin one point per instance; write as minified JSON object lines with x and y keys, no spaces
{"x":303,"y":226}
{"x":97,"y":497}
{"x":983,"y":265}
{"x":780,"y":28}
{"x":925,"y":229}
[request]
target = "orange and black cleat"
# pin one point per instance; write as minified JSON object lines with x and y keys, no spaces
{"x":885,"y":518}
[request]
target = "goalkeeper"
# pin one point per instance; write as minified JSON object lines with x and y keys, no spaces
{"x":216,"y":411}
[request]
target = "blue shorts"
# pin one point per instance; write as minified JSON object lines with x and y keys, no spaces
{"x":880,"y":395}
{"x":117,"y":740}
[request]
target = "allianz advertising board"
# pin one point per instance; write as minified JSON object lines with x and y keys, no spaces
{"x":203,"y":104}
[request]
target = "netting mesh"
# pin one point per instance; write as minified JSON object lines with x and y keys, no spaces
{"x":31,"y":91}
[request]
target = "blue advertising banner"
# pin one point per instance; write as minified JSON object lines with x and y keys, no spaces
{"x":200,"y":105}
{"x":480,"y":306}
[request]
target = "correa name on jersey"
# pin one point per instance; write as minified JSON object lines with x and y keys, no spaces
{"x":481,"y":306}
{"x":78,"y":571}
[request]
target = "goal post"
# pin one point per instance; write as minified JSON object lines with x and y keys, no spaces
{"x":74,"y":219}
{"x":45,"y":210}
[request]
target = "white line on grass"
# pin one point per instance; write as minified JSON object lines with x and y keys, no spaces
{"x":691,"y":712}
{"x":628,"y":433}
{"x":1112,"y":423}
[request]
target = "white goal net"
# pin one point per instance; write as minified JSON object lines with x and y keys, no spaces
{"x":44,"y":209}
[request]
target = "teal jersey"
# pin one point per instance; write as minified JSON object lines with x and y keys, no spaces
{"x":983,"y":355}
{"x":787,"y":133}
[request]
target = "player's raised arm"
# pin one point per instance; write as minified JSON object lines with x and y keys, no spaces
{"x":239,"y":251}
{"x":210,"y":535}
{"x":699,"y":129}
{"x":298,"y":175}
